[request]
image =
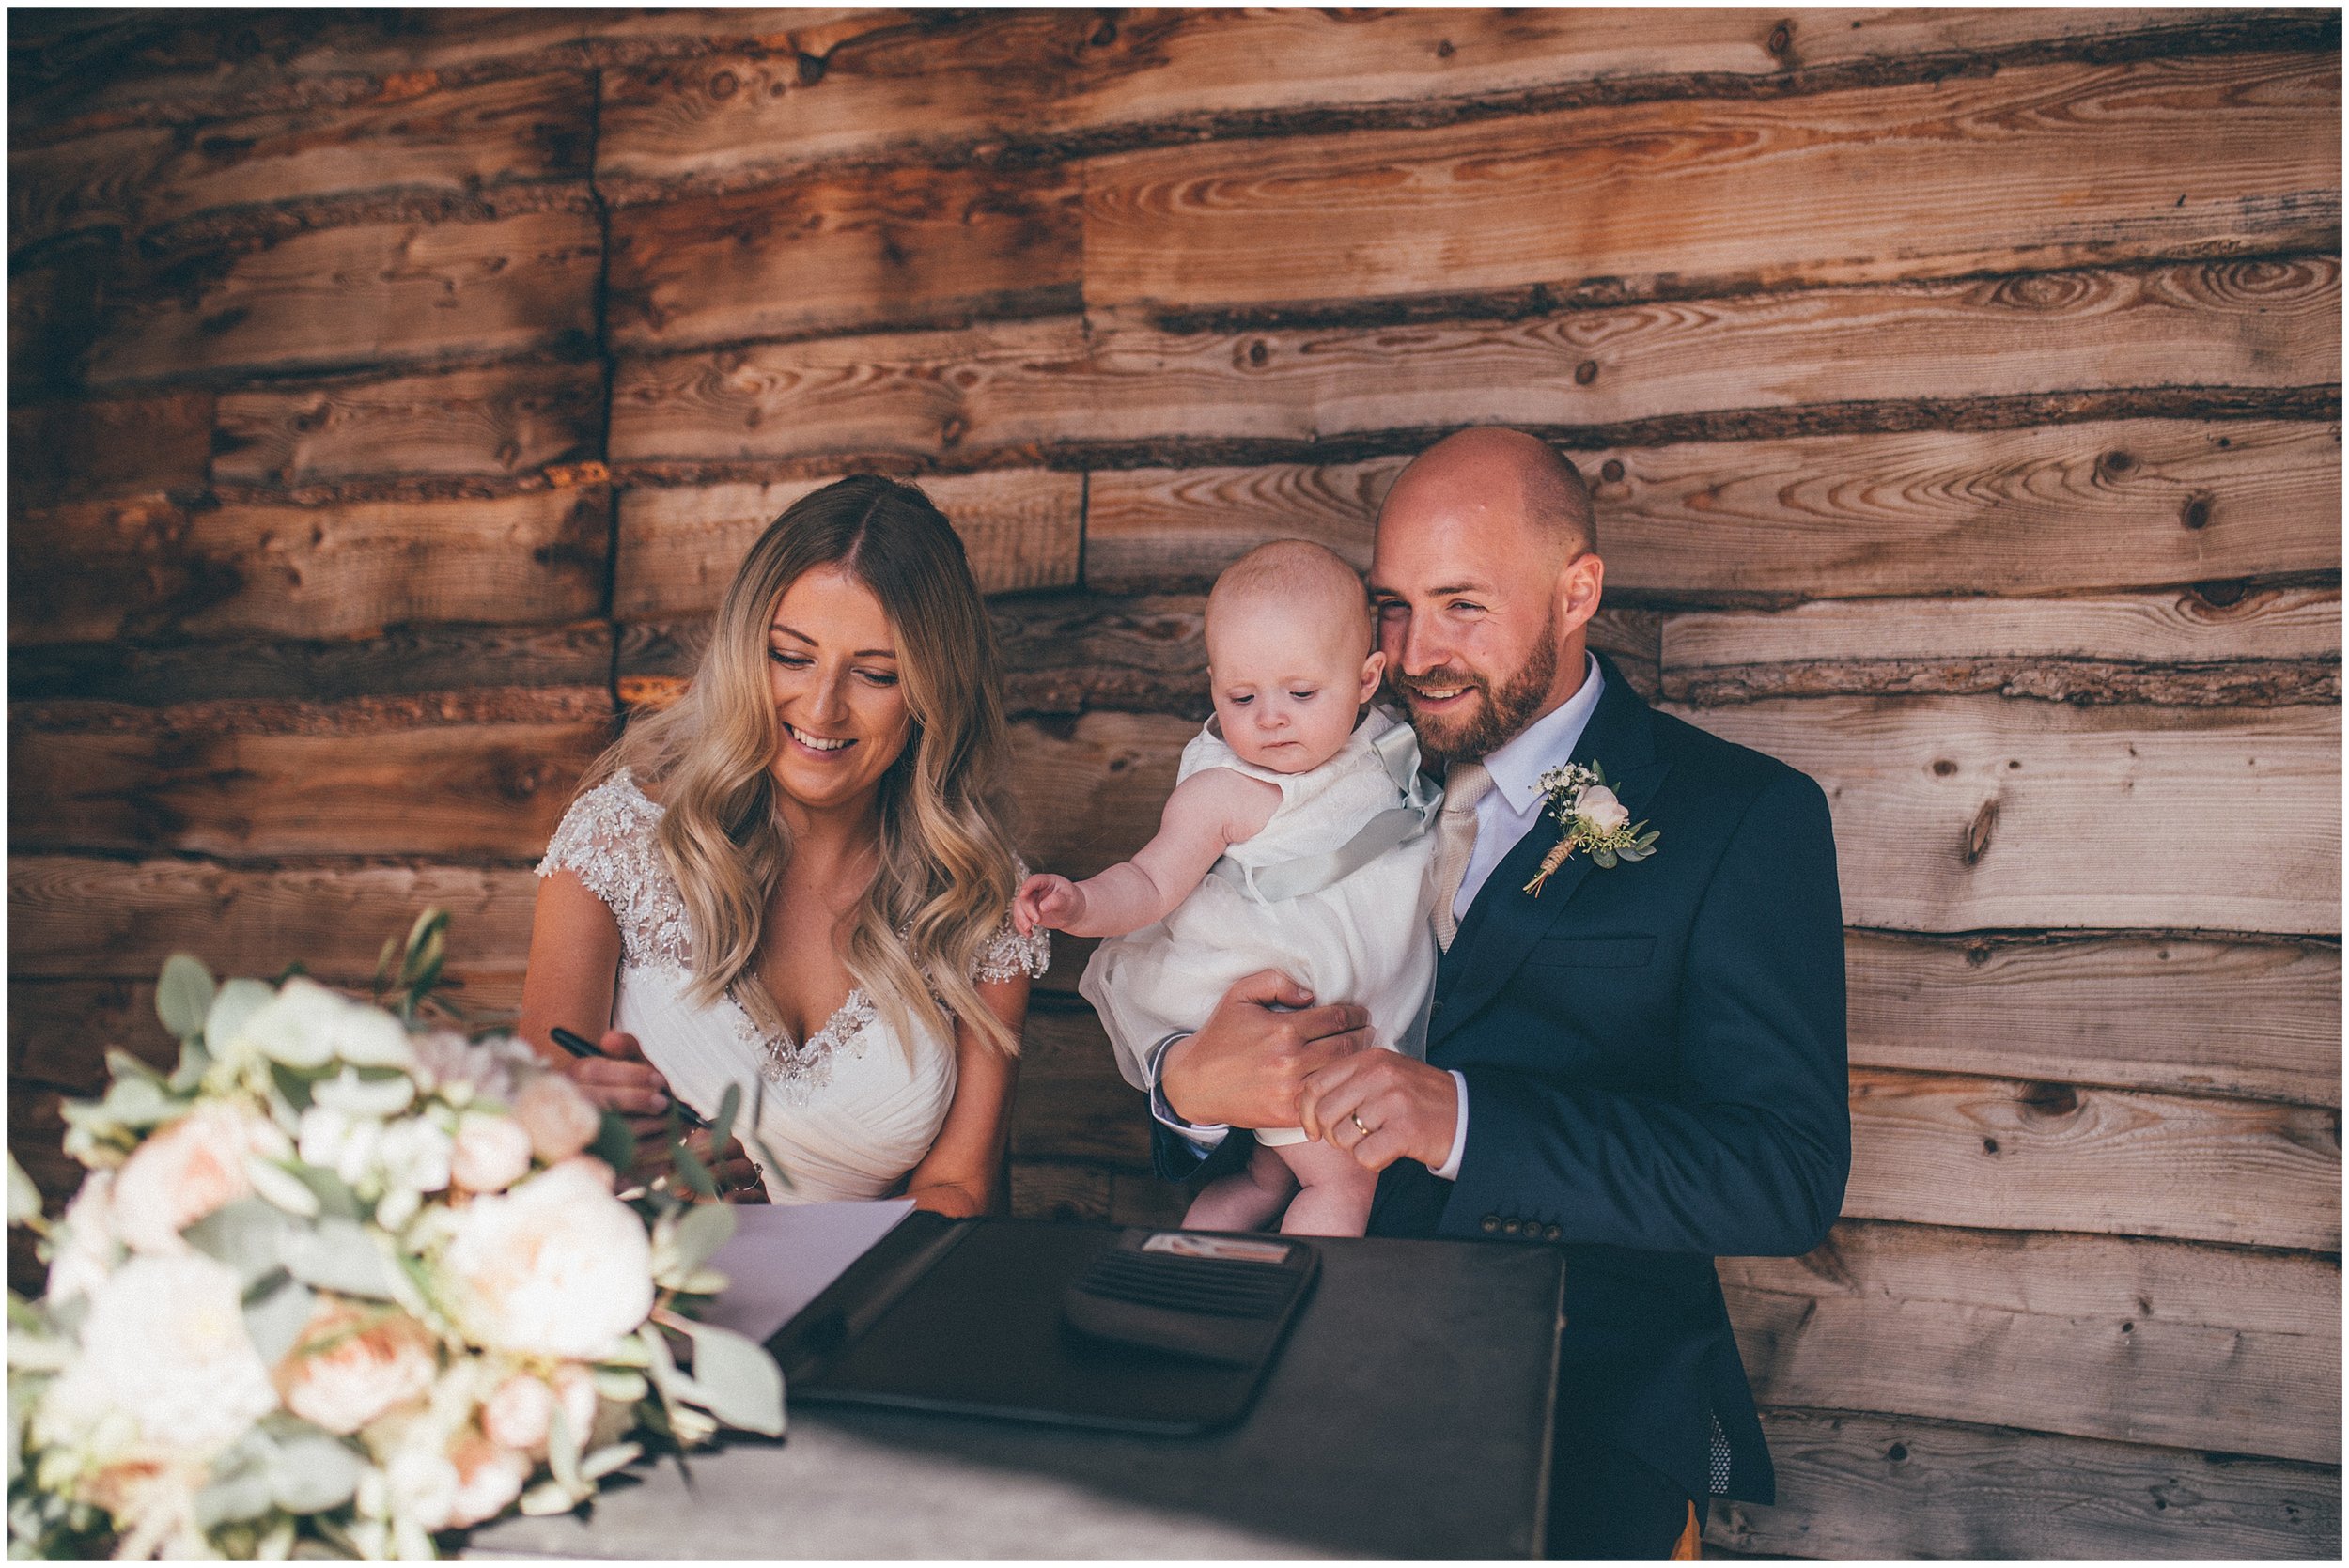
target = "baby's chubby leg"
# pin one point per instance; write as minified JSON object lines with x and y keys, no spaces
{"x":1336,"y":1191}
{"x":1247,"y":1200}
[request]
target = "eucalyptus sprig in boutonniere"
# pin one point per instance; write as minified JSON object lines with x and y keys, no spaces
{"x":1593,"y":819}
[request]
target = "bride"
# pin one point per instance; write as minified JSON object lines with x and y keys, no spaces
{"x":796,"y":880}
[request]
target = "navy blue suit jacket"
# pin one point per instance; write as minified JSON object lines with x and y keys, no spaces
{"x":1655,"y":1058}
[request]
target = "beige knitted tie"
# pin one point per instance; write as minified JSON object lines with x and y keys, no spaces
{"x":1464,"y":784}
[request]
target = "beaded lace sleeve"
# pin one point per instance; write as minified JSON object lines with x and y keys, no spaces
{"x":606,"y":841}
{"x":1008,"y":954}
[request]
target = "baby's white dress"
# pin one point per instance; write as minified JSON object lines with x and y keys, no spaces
{"x":1362,"y":938}
{"x":848,"y":1111}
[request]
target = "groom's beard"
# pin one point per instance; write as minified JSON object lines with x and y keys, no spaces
{"x":1497,"y":715}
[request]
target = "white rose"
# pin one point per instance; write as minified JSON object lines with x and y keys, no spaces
{"x":414,"y":1156}
{"x":561,"y":1119}
{"x":89,"y":1249}
{"x":354,"y":1364}
{"x":491,"y":1152}
{"x":557,"y":1266}
{"x":165,"y":1345}
{"x":422,"y":1488}
{"x":1598,"y":806}
{"x":184,"y":1173}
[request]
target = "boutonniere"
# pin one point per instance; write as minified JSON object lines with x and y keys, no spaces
{"x":1592,"y":820}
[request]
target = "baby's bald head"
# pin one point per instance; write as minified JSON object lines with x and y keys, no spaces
{"x":1308,"y":586}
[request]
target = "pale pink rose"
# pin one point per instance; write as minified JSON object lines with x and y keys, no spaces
{"x":1598,"y":806}
{"x":354,"y":1364}
{"x":561,"y":1120}
{"x":520,"y":1413}
{"x":489,"y":1476}
{"x":575,"y":1391}
{"x":557,"y":1266}
{"x":491,"y":1152}
{"x":184,"y":1173}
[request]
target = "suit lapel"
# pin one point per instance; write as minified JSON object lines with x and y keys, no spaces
{"x":1504,"y":921}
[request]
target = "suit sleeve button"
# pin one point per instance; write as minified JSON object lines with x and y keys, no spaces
{"x":1511,"y":1228}
{"x":1549,"y":1233}
{"x":1491,"y":1223}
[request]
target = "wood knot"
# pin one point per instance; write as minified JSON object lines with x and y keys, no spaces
{"x":952,"y":432}
{"x":2050,"y":1100}
{"x":1897,"y":1453}
{"x":1990,"y":1146}
{"x":1611,"y":470}
{"x":1259,"y":351}
{"x":2196,"y":513}
{"x":1104,"y":35}
{"x":2218,"y":596}
{"x":1780,"y":41}
{"x":2118,"y":462}
{"x":811,"y":70}
{"x":1944,"y":768}
{"x":1443,"y":49}
{"x":1585,"y":373}
{"x":723,"y":86}
{"x":1978,"y":834}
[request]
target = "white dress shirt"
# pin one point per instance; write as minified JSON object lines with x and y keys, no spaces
{"x":1506,"y":814}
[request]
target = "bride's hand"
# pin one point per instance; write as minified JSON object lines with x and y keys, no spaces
{"x":736,"y":1176}
{"x":622,"y":1081}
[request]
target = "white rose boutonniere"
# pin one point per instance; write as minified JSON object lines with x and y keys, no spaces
{"x":1592,"y":820}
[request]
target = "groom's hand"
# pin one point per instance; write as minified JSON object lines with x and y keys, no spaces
{"x":1247,"y":1062}
{"x":1380,"y":1108}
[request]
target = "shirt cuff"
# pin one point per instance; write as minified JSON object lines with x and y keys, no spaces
{"x":1201,"y":1136}
{"x":1450,"y":1169}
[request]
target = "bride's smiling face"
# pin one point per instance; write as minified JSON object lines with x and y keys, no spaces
{"x":831,"y":665}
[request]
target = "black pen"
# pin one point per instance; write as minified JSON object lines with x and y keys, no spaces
{"x":578,"y":1045}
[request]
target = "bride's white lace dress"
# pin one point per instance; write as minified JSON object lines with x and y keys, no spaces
{"x":850,"y":1109}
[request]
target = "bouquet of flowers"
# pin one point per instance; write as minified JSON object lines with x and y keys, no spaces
{"x":341,"y":1282}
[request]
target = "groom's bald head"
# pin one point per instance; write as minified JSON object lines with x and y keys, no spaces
{"x":1498,"y":464}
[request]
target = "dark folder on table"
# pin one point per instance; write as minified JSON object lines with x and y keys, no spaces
{"x":1135,"y":1330}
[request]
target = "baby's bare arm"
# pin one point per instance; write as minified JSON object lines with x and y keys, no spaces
{"x":1208,"y":813}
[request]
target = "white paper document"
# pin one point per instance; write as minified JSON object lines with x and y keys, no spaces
{"x":782,"y":1255}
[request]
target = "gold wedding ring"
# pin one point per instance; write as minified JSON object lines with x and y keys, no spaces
{"x":1355,"y":1117}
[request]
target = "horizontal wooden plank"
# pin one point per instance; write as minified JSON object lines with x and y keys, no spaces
{"x":1865,"y":1487}
{"x":906,"y":246}
{"x":1957,"y":814}
{"x":57,"y":299}
{"x":37,"y":1138}
{"x":1090,"y":790}
{"x":1069,"y":78}
{"x":411,"y":659}
{"x":1071,"y":1103}
{"x":2100,"y":505}
{"x":2146,"y":1341}
{"x":88,"y":571}
{"x":1060,"y":383}
{"x":74,"y":918}
{"x":497,"y":422}
{"x":163,"y":66}
{"x":158,"y":444}
{"x":371,"y":294}
{"x":2056,"y":164}
{"x":1064,"y":1189}
{"x":464,"y":791}
{"x":2008,"y":1155}
{"x":59,"y":1031}
{"x":2261,"y":648}
{"x":430,"y":138}
{"x":679,"y":548}
{"x":2255,"y":1019}
{"x":1071,"y":654}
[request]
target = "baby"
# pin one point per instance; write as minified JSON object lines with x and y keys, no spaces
{"x":1295,"y":839}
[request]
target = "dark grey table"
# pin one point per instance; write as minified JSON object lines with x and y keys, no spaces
{"x":1407,"y":1417}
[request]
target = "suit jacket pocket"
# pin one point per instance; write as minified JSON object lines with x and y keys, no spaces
{"x":1607,"y":952}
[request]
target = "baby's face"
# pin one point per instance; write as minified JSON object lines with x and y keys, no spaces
{"x":1287,"y":689}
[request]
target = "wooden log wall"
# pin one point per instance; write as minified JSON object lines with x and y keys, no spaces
{"x":392,"y":391}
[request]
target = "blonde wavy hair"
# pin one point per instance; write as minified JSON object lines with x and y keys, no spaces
{"x":947,"y":872}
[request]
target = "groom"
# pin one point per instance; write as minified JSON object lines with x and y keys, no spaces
{"x":1640,"y":1063}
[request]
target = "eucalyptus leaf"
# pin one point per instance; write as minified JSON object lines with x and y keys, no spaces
{"x":563,"y":1452}
{"x":312,"y":1473}
{"x":334,"y":1193}
{"x":371,"y":1096}
{"x":774,"y":1161}
{"x":281,"y":1187}
{"x":195,"y":1062}
{"x":140,"y":1102}
{"x":339,"y":1255}
{"x":183,"y":995}
{"x":1603,"y":857}
{"x":738,"y":1381}
{"x":235,"y":1004}
{"x":689,"y":1166}
{"x":239,"y":1488}
{"x":605,"y":1460}
{"x":701,"y":1230}
{"x":615,"y":1144}
{"x":248,"y":1236}
{"x":274,"y":1321}
{"x":23,"y":1197}
{"x":722,"y":1125}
